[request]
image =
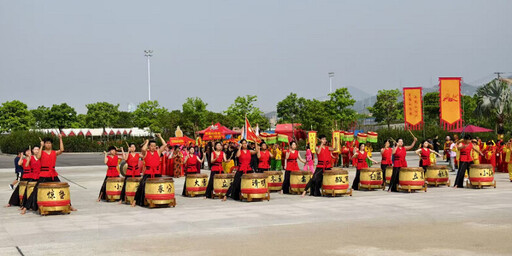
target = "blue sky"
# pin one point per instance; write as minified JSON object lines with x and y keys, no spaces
{"x":81,"y":52}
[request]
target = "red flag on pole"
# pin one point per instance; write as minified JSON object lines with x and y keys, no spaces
{"x":249,"y":133}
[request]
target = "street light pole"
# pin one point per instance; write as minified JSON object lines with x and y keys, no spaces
{"x":331,"y":75}
{"x":148,"y":54}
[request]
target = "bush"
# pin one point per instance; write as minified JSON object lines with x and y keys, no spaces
{"x":19,"y":140}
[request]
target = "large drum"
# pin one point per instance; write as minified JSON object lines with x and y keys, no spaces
{"x":132,"y":184}
{"x":160,"y":192}
{"x":437,"y":175}
{"x":53,"y":197}
{"x":371,"y":178}
{"x":298,"y":181}
{"x":335,"y":182}
{"x":275,"y":180}
{"x":254,"y":186}
{"x":481,"y":175}
{"x":196,"y":184}
{"x":113,"y":189}
{"x":21,"y":191}
{"x":389,"y":173}
{"x":221,"y":184}
{"x":411,"y":179}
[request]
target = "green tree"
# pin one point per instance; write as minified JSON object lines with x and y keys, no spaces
{"x":40,"y":115}
{"x":124,"y":120}
{"x":101,"y":114}
{"x":495,"y":100}
{"x":314,"y":115}
{"x":339,"y":106}
{"x":194,"y":114}
{"x":80,"y":121}
{"x":62,"y":116}
{"x":387,"y":109}
{"x":431,"y":108}
{"x":150,"y":114}
{"x":14,"y":116}
{"x":289,"y":108}
{"x":245,"y":106}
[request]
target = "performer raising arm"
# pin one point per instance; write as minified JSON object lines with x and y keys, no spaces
{"x":324,"y":163}
{"x":292,"y":155}
{"x":217,"y":158}
{"x":465,"y":148}
{"x":424,"y":154}
{"x":361,"y":163}
{"x":191,"y":161}
{"x":48,"y":158}
{"x":399,"y":153}
{"x":151,"y":153}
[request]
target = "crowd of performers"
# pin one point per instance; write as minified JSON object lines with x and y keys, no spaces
{"x":38,"y":165}
{"x":38,"y":162}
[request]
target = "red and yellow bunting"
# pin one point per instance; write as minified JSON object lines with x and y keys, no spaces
{"x":449,"y":102}
{"x":413,"y":108}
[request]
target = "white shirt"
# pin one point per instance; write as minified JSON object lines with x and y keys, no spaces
{"x":452,"y":152}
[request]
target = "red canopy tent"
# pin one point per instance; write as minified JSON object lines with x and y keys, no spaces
{"x":118,"y":132}
{"x":287,"y":129}
{"x":216,"y":132}
{"x":111,"y":133}
{"x":71,"y":133}
{"x":88,"y":133}
{"x":471,"y":129}
{"x":181,"y":141}
{"x":81,"y":133}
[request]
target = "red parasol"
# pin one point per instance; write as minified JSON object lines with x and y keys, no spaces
{"x":471,"y":129}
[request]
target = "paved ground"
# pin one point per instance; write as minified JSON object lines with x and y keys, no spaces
{"x":443,"y":221}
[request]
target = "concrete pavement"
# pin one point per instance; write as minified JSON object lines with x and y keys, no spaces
{"x":443,"y":221}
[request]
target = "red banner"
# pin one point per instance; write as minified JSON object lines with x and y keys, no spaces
{"x":450,"y":112}
{"x":413,"y":108}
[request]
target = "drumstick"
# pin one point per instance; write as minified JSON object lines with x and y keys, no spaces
{"x":127,"y":145}
{"x":412,"y":134}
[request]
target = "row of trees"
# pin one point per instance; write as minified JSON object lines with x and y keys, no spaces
{"x":492,"y":104}
{"x":194,"y":116}
{"x":321,"y":116}
{"x":490,"y":107}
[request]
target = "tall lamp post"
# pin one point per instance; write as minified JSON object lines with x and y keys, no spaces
{"x":148,"y":54}
{"x":331,"y":75}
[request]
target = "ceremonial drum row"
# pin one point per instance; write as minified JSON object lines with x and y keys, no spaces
{"x":53,"y":197}
{"x":481,"y":175}
{"x":254,"y":186}
{"x":274,"y":180}
{"x":196,"y":184}
{"x":411,"y":179}
{"x":28,"y":186}
{"x":221,"y":184}
{"x":298,"y":181}
{"x":160,"y":192}
{"x":437,"y":175}
{"x":335,"y":182}
{"x":371,"y":178}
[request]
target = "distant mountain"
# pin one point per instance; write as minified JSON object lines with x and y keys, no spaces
{"x":358,"y":94}
{"x":466,"y":89}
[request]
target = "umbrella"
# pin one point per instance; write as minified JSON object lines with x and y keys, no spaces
{"x":472,"y":128}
